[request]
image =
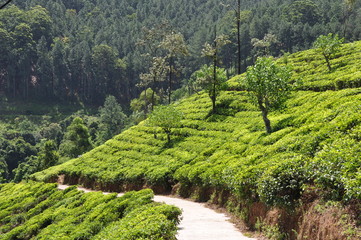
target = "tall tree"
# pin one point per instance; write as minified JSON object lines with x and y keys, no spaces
{"x":347,"y":12}
{"x":24,"y":53}
{"x":175,"y":46}
{"x":212,"y":80}
{"x":76,"y":140}
{"x":264,"y":44}
{"x":268,"y":86}
{"x":151,"y":42}
{"x":157,"y":73}
{"x":237,"y":12}
{"x":105,"y":65}
{"x":44,"y":71}
{"x":60,"y":68}
{"x":144,"y":102}
{"x":48,"y":155}
{"x":211,"y":51}
{"x":5,"y":58}
{"x":112,"y":119}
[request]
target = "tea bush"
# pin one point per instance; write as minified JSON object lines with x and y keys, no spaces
{"x":41,"y":211}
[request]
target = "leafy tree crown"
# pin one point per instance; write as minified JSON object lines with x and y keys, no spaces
{"x":165,"y":117}
{"x":267,"y":82}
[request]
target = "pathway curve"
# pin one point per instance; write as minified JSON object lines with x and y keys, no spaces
{"x":198,"y":221}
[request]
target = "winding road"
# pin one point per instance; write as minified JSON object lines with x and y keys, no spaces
{"x":198,"y":221}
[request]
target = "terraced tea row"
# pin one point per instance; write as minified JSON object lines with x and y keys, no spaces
{"x":41,"y":211}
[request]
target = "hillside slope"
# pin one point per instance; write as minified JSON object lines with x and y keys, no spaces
{"x":313,"y":153}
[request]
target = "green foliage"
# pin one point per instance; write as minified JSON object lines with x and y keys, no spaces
{"x":112,"y":119}
{"x":26,"y":168}
{"x":328,"y":45}
{"x":211,"y":80}
{"x":337,"y":169}
{"x":143,"y":103}
{"x":3,"y":171}
{"x":76,"y":139}
{"x":304,"y":11}
{"x":165,"y":117}
{"x":74,"y":58}
{"x":282,"y":184}
{"x":15,"y":151}
{"x":41,"y":211}
{"x":49,"y":155}
{"x":268,"y":85}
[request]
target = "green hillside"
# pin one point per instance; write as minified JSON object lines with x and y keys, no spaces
{"x":315,"y":144}
{"x":41,"y":211}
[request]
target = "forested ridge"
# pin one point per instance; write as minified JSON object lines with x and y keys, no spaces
{"x":81,"y":51}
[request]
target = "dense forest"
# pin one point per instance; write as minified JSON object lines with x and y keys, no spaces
{"x":82,"y":51}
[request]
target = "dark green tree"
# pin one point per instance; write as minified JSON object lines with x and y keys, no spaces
{"x":14,"y":152}
{"x":107,"y":68}
{"x":302,"y":11}
{"x":3,"y":171}
{"x":112,"y":119}
{"x":349,"y":7}
{"x":268,"y":86}
{"x":5,"y":57}
{"x":48,"y":155}
{"x":76,"y":140}
{"x":60,"y":65}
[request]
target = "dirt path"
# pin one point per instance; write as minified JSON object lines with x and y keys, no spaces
{"x":199,"y":222}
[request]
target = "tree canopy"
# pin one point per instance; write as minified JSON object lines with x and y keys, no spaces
{"x":165,"y":117}
{"x":76,"y":139}
{"x":82,"y":51}
{"x":268,"y":86}
{"x":328,"y":45}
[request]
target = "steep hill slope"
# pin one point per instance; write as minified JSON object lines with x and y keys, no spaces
{"x":312,"y":155}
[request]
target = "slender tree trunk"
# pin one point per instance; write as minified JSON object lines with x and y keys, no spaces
{"x":214,"y":89}
{"x":238,"y":12}
{"x":14,"y":84}
{"x":328,"y":62}
{"x":145,"y":102}
{"x":168,"y":137}
{"x":214,"y":73}
{"x":266,"y":121}
{"x":170,"y":79}
{"x":154,"y":80}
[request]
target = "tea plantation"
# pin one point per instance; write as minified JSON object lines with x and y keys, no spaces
{"x":315,"y":143}
{"x":41,"y":211}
